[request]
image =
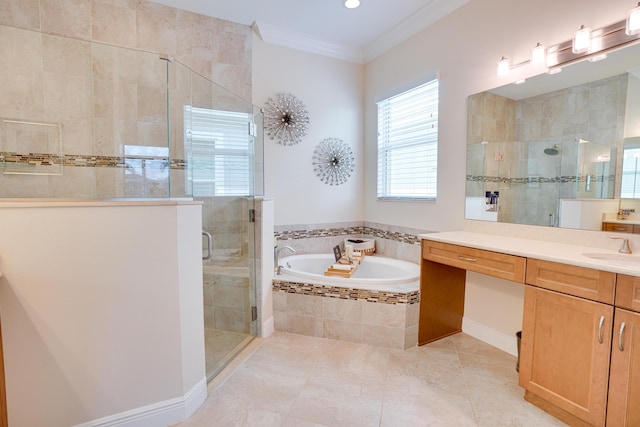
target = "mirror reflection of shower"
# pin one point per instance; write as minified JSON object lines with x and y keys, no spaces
{"x":596,"y":170}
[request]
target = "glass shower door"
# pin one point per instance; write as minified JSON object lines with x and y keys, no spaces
{"x":219,"y":147}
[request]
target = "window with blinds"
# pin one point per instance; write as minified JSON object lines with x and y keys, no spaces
{"x":630,"y":187}
{"x":408,"y":144}
{"x":219,"y":152}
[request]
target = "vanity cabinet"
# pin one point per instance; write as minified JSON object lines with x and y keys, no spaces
{"x":442,"y":284}
{"x":580,"y":348}
{"x":581,"y":351}
{"x":564,"y":359}
{"x":623,"y":407}
{"x":509,"y":267}
{"x":621,"y":228}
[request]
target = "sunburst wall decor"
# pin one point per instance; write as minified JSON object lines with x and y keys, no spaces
{"x":333,"y":161}
{"x":286,"y":119}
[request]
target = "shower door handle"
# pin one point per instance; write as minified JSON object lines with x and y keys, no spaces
{"x":209,"y":244}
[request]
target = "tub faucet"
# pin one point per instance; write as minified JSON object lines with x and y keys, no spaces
{"x":276,"y":258}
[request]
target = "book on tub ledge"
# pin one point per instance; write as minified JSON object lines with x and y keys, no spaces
{"x":345,"y":267}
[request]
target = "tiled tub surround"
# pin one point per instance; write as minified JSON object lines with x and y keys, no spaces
{"x":384,"y":317}
{"x":391,"y":241}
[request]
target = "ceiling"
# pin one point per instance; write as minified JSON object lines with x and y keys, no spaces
{"x":326,"y":26}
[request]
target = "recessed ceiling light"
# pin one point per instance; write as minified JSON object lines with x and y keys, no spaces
{"x":351,"y":4}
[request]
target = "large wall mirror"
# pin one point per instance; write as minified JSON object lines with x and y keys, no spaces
{"x":559,"y":150}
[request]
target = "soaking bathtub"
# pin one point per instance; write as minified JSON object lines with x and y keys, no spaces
{"x":374,"y":272}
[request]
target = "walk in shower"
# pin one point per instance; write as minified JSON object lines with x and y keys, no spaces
{"x":115,"y":123}
{"x":221,"y":136}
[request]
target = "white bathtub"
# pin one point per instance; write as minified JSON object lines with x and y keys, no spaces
{"x":375,"y":272}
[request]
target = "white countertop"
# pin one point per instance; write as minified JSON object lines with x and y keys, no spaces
{"x":543,"y":250}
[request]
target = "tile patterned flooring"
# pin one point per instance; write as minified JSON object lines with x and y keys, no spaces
{"x":295,"y":380}
{"x":220,"y":347}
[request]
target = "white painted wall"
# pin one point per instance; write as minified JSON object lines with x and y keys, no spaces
{"x":332,"y":90}
{"x":102,"y":314}
{"x":264,"y":293}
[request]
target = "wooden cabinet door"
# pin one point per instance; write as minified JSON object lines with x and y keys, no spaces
{"x":624,"y":383}
{"x":564,"y":360}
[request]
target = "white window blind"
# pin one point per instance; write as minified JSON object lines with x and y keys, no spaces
{"x":219,"y":152}
{"x":408,"y":144}
{"x":630,"y":187}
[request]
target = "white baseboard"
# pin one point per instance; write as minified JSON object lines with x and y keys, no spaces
{"x":159,"y":414}
{"x":492,"y":337}
{"x":268,"y":328}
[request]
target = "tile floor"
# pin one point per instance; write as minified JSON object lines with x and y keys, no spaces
{"x":295,"y":380}
{"x":220,"y":347}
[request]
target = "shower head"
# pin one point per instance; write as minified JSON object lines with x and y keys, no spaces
{"x":552,"y":151}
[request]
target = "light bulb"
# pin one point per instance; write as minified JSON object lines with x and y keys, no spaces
{"x":538,"y":56}
{"x":351,"y":4}
{"x":503,"y":67}
{"x":633,"y":21}
{"x":581,"y":40}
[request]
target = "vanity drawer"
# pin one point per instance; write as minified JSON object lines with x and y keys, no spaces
{"x":581,"y":282}
{"x":628,"y":292}
{"x":621,"y":228}
{"x":505,"y":266}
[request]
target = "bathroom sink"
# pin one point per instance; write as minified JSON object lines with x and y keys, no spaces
{"x":619,"y":259}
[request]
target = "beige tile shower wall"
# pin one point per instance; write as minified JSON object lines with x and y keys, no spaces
{"x":491,"y":118}
{"x":218,"y":49}
{"x":93,"y":66}
{"x":227,"y":219}
{"x":593,"y":111}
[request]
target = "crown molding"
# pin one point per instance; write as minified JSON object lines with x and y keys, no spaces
{"x":279,"y":36}
{"x":417,"y":22}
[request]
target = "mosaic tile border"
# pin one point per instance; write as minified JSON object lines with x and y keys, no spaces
{"x":381,"y":297}
{"x":411,"y":239}
{"x":537,"y":179}
{"x":92,"y":161}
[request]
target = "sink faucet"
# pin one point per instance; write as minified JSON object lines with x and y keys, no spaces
{"x":624,"y":249}
{"x":276,"y":258}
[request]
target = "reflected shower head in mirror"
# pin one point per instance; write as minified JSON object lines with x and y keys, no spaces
{"x":552,"y":151}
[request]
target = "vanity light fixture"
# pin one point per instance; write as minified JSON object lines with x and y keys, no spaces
{"x":586,"y":44}
{"x":538,"y":55}
{"x":351,"y":4}
{"x":581,"y":40}
{"x":633,"y":21}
